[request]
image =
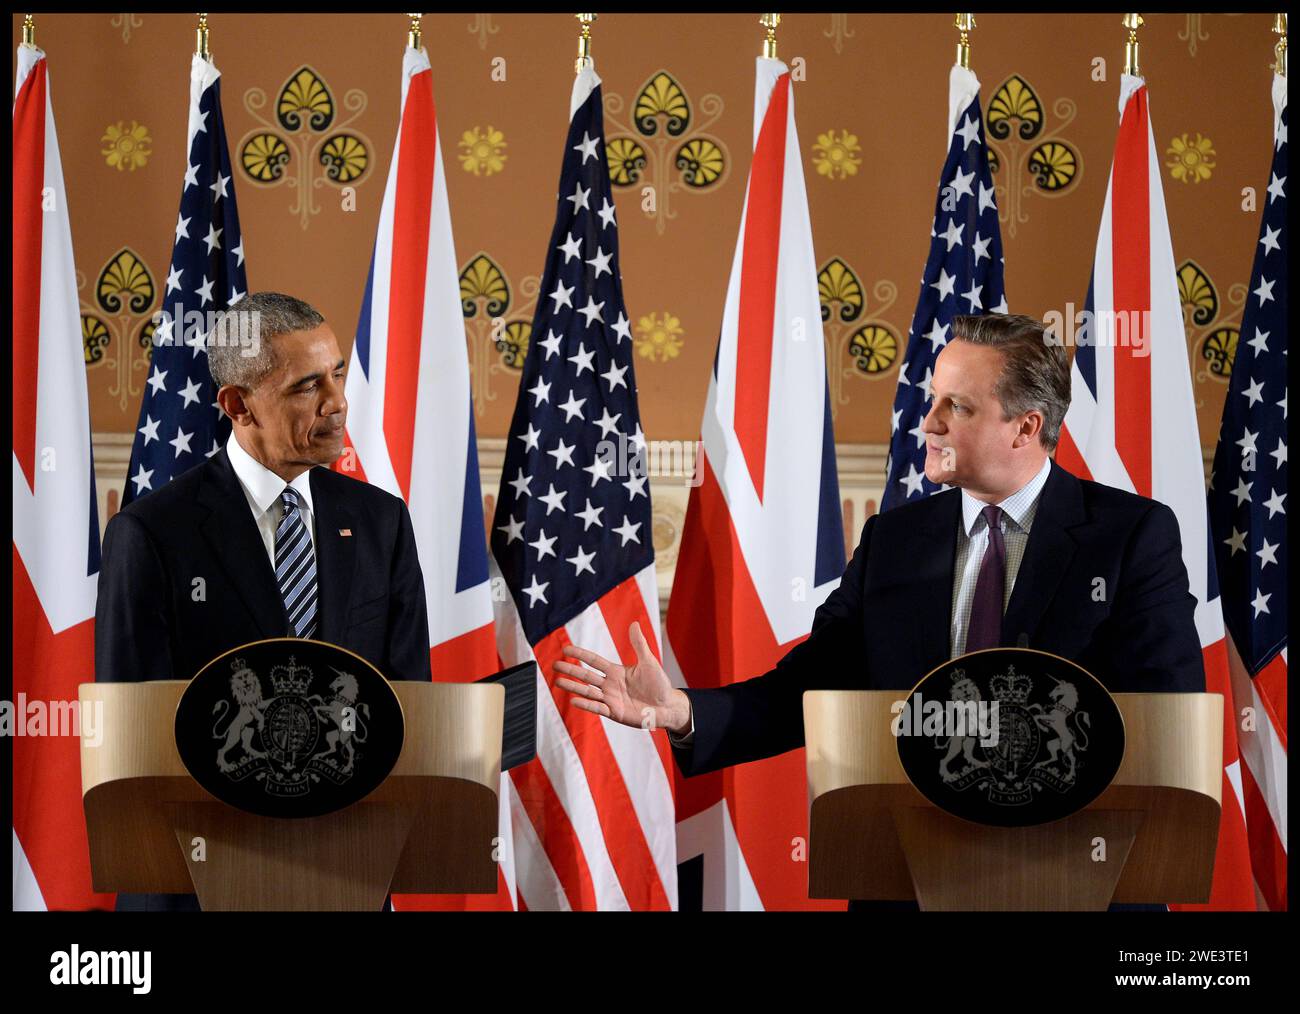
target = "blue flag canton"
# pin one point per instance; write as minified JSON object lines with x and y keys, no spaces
{"x":963,"y":275}
{"x":1249,"y":483}
{"x":180,"y":425}
{"x":573,"y":516}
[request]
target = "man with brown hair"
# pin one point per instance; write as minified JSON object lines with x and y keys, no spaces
{"x":1020,"y":552}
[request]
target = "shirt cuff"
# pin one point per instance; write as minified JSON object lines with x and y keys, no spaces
{"x":686,"y":738}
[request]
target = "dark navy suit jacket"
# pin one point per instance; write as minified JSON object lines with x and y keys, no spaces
{"x":151,"y":624}
{"x":1101,"y":583}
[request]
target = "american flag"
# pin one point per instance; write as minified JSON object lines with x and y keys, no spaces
{"x":963,"y":275}
{"x":1132,"y":419}
{"x":572,"y":539}
{"x":180,"y":424}
{"x":1248,"y":520}
{"x":55,"y":523}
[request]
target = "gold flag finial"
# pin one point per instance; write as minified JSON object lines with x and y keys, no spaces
{"x":963,"y":24}
{"x":770,"y":23}
{"x":29,"y":31}
{"x":201,"y":39}
{"x":1131,"y":64}
{"x":1279,"y":51}
{"x":413,"y":33}
{"x":584,"y":42}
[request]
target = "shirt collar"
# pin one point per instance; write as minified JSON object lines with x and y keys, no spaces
{"x":1020,"y":506}
{"x":262,"y":486}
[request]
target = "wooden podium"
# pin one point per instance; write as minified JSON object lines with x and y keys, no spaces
{"x":430,"y":828}
{"x":874,"y":836}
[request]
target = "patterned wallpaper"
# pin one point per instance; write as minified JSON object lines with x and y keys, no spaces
{"x":311,"y":104}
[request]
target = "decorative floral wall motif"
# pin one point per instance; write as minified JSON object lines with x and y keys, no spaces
{"x":870,"y":345}
{"x":837,"y":155}
{"x":1025,"y":160}
{"x":1212,"y":334}
{"x":483,"y":27}
{"x":665,"y":125}
{"x":482,"y":152}
{"x":494,"y":322}
{"x":126,"y":147}
{"x":838,"y":31}
{"x":302,"y":136}
{"x":117,"y":324}
{"x":128,"y":23}
{"x":1191,"y":161}
{"x":658,"y":337}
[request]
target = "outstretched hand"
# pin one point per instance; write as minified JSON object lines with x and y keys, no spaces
{"x":639,"y":695}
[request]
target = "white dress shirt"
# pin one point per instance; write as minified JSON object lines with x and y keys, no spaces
{"x":262,"y":488}
{"x":972,"y":539}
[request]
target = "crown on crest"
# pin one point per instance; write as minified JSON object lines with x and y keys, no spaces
{"x":291,"y":679}
{"x":1011,"y":686}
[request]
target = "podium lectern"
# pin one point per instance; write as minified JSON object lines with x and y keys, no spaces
{"x":1148,"y":838}
{"x":430,"y":828}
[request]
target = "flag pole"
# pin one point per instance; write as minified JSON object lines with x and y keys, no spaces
{"x":1279,"y":51}
{"x":29,"y":30}
{"x":413,"y":37}
{"x":770,"y":22}
{"x":1132,"y":22}
{"x":584,"y":42}
{"x":963,"y":24}
{"x":201,"y":39}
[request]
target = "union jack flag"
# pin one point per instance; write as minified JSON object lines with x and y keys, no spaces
{"x":55,"y":523}
{"x":764,"y":520}
{"x":1132,"y":418}
{"x":410,"y":427}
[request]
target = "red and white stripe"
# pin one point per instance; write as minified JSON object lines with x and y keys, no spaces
{"x":743,"y":592}
{"x":593,"y":813}
{"x":1140,"y":433}
{"x":1264,"y":752}
{"x":409,"y":404}
{"x":53,"y":509}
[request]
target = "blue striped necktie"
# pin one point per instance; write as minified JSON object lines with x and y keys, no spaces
{"x":295,"y":566}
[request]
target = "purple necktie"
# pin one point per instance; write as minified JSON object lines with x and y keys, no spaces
{"x":985,"y":627}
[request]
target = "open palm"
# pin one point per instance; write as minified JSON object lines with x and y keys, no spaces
{"x":639,"y":695}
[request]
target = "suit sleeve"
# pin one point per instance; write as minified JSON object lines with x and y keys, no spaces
{"x":408,"y":617}
{"x":1154,"y":614}
{"x":132,"y":631}
{"x":763,"y":716}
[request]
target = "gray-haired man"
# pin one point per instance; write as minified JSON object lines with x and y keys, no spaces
{"x":190,"y":570}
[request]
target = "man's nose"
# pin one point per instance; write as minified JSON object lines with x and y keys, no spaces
{"x":930,"y":424}
{"x":335,"y":400}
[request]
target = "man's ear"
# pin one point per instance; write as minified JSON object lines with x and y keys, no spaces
{"x":1030,"y":427}
{"x":233,"y":401}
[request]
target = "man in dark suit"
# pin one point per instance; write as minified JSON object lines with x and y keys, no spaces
{"x":258,"y":542}
{"x":1021,"y":552}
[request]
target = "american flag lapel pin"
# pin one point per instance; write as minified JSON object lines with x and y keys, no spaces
{"x":346,"y":532}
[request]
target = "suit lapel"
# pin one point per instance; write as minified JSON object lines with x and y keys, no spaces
{"x":932,"y":557}
{"x":1048,"y":555}
{"x":335,"y":557}
{"x":236,"y":544}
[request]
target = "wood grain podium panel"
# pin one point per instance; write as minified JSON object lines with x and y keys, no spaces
{"x":429,"y":828}
{"x":874,"y":836}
